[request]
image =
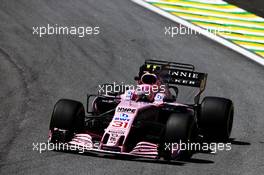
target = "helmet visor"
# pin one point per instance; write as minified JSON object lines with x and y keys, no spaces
{"x":149,"y":79}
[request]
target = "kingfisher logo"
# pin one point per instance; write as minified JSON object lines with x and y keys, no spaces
{"x":126,"y":110}
{"x":122,"y":117}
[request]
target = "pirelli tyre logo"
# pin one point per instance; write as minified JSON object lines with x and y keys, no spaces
{"x":126,"y":110}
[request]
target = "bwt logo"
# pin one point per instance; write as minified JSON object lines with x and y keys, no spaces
{"x":128,"y":110}
{"x":123,"y":117}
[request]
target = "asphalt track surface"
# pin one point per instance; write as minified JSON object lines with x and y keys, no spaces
{"x":35,"y":72}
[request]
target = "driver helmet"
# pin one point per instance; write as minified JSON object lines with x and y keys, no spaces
{"x":144,"y":93}
{"x":149,"y":78}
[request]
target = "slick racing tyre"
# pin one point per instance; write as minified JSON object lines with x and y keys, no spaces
{"x":67,"y":118}
{"x":216,"y":118}
{"x":180,"y":128}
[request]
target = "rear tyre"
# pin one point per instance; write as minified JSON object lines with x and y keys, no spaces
{"x":180,"y":128}
{"x":67,"y":118}
{"x":216,"y":118}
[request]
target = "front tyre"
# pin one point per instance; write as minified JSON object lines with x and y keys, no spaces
{"x":180,"y":128}
{"x":67,"y":118}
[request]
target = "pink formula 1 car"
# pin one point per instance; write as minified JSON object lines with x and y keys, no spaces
{"x":148,"y":120}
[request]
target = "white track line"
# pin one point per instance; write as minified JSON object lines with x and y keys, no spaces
{"x":202,"y":1}
{"x":216,"y":38}
{"x":182,"y":4}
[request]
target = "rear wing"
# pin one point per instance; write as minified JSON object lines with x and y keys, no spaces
{"x":186,"y":78}
{"x":175,"y":73}
{"x":169,"y":65}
